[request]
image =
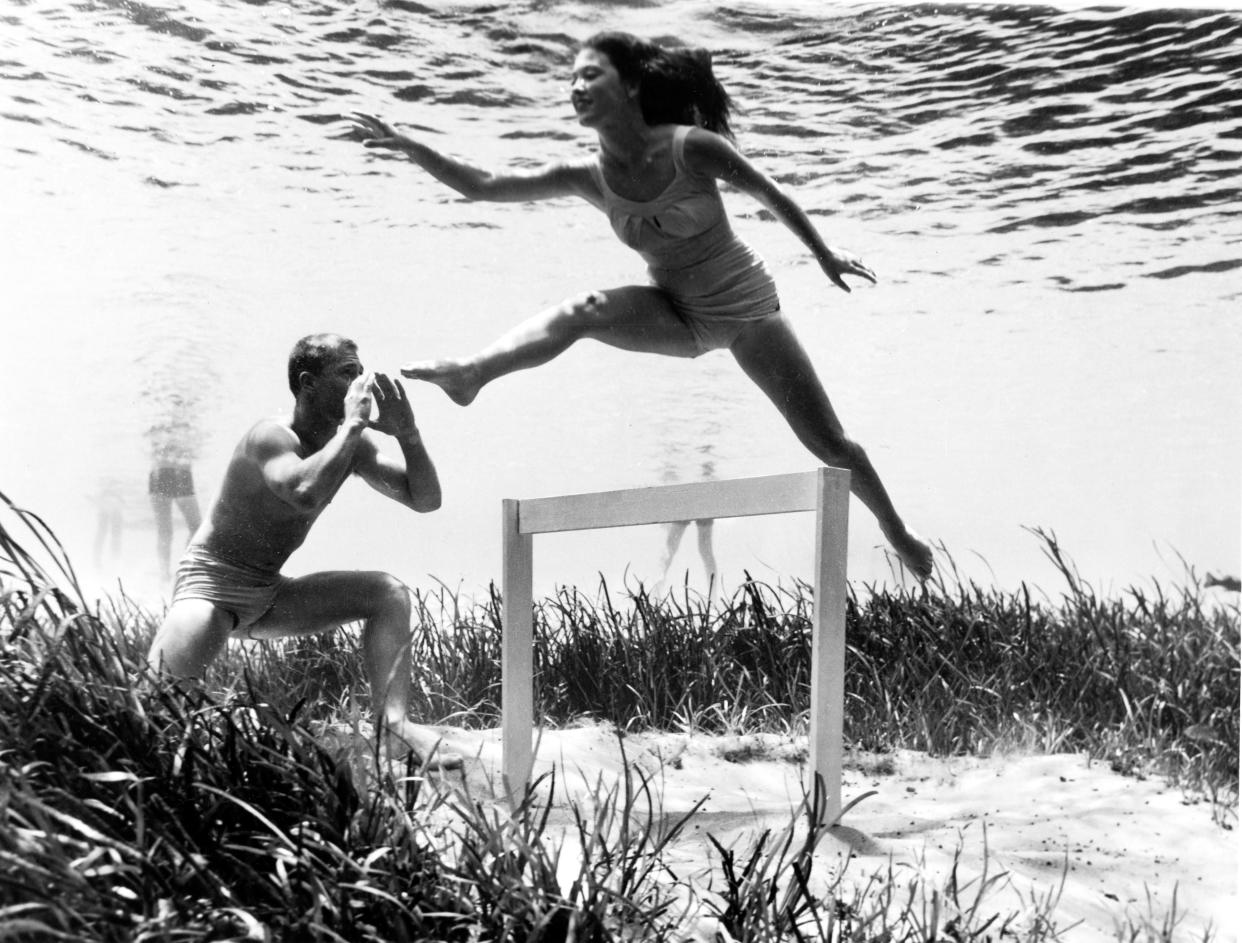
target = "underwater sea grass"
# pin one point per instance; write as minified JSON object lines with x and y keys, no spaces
{"x":1147,"y":680}
{"x":134,"y":808}
{"x":137,"y":809}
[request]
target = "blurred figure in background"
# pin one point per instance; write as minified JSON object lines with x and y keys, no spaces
{"x":675,"y":531}
{"x":109,"y":501}
{"x":174,"y":444}
{"x":692,"y":443}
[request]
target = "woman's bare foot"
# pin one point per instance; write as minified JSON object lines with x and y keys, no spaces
{"x":914,"y":553}
{"x":459,"y":380}
{"x":404,"y":737}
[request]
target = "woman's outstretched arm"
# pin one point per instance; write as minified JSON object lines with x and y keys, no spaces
{"x":475,"y":183}
{"x":711,"y":154}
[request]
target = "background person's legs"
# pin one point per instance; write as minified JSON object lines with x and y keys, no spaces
{"x":188,"y":505}
{"x":673,"y":532}
{"x":161,"y":505}
{"x":707,"y":553}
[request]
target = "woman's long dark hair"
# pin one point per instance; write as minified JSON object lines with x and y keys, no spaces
{"x":675,"y":86}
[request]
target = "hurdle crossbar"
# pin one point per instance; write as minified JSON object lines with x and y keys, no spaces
{"x":824,"y":491}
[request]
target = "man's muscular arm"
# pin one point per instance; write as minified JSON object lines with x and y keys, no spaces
{"x":310,"y":483}
{"x":412,"y":481}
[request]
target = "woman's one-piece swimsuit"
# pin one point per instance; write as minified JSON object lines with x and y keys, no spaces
{"x":716,"y":283}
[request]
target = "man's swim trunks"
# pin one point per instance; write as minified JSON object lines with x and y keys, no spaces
{"x":716,"y":283}
{"x":246,"y":592}
{"x":171,"y":481}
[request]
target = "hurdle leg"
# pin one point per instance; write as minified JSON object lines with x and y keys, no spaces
{"x":828,"y":638}
{"x":517,"y":660}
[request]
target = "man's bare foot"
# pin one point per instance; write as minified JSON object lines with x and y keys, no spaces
{"x":459,"y":380}
{"x":404,"y":738}
{"x":914,"y":553}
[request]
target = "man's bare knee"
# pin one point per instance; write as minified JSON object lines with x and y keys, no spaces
{"x":390,"y":594}
{"x":193,"y":632}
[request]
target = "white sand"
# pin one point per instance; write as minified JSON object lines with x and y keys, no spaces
{"x":1116,"y":847}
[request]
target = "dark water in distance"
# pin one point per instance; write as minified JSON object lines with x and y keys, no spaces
{"x":1051,"y":198}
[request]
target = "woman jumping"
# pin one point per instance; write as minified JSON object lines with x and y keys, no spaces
{"x":662,"y":119}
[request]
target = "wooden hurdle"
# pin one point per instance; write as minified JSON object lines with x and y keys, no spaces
{"x":825,"y":491}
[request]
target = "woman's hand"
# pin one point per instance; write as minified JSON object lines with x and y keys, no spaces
{"x":838,"y":262}
{"x":376,"y":133}
{"x":472,"y":182}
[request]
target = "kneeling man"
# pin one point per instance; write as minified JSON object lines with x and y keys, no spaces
{"x":280,"y":478}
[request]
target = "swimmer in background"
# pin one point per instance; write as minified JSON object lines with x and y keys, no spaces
{"x":662,"y":120}
{"x":109,"y":502}
{"x":690,"y":438}
{"x":676,"y":530}
{"x":171,"y":481}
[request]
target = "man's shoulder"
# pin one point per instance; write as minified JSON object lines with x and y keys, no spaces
{"x":269,"y":436}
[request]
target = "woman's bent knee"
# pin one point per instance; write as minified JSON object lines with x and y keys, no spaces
{"x":581,"y":314}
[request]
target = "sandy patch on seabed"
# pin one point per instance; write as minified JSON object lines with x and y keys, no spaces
{"x":1111,"y":845}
